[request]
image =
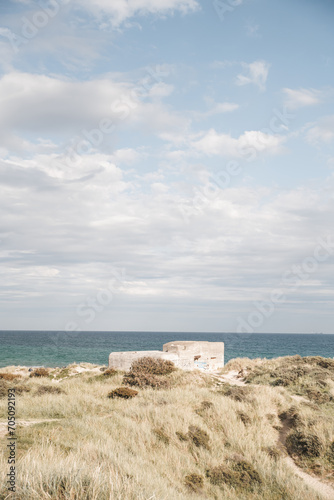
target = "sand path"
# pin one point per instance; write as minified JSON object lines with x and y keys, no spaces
{"x":24,"y":423}
{"x":325,"y":490}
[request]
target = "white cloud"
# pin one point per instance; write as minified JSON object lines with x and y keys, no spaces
{"x":49,"y":106}
{"x":60,"y":243}
{"x":322,"y":132}
{"x":248,"y":145}
{"x":161,"y":90}
{"x":301,"y":97}
{"x":217,"y":108}
{"x":256,"y":73}
{"x":118,"y":11}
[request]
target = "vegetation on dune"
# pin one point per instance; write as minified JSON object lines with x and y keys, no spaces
{"x":49,"y":389}
{"x":9,"y":376}
{"x":40,"y":372}
{"x":309,"y":424}
{"x":122,"y":392}
{"x":191,"y":438}
{"x":150,"y":372}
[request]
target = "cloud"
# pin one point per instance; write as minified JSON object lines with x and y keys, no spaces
{"x":62,"y":239}
{"x":215,"y":108}
{"x":322,"y":132}
{"x":256,"y":73}
{"x":116,"y":12}
{"x":302,"y":97}
{"x":248,"y":145}
{"x":77,"y":111}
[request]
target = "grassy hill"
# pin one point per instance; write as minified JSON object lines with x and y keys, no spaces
{"x":184,"y":435}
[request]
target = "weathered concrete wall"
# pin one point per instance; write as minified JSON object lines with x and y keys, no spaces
{"x":187,"y":355}
{"x":197,"y":354}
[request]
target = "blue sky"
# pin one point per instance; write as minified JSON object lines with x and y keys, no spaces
{"x":167,"y":165}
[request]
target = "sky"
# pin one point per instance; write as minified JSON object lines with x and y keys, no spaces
{"x":167,"y":165}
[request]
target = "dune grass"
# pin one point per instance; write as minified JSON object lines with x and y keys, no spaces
{"x":188,"y":439}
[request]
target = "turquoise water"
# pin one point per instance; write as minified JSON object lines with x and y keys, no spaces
{"x":36,"y":348}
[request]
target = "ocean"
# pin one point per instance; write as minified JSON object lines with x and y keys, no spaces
{"x":50,"y":348}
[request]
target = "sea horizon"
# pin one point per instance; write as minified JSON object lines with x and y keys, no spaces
{"x":59,"y":348}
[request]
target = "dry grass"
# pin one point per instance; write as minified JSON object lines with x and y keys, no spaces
{"x":166,"y":443}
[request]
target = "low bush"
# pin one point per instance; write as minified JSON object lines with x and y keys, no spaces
{"x":319,"y":361}
{"x":9,"y":376}
{"x":21,"y":388}
{"x":40,"y":372}
{"x":48,"y":389}
{"x":292,"y":415}
{"x":153,"y":366}
{"x":122,"y":392}
{"x":318,"y":396}
{"x":109,"y":372}
{"x":199,"y":437}
{"x":194,"y":482}
{"x":240,"y":474}
{"x":145,"y":380}
{"x":149,"y":372}
{"x":300,"y":444}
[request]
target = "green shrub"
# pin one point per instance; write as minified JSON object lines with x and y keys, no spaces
{"x":194,"y":481}
{"x":240,"y":474}
{"x":145,"y":380}
{"x":21,"y":388}
{"x":153,"y":366}
{"x":48,"y":389}
{"x":308,"y":445}
{"x":199,"y":437}
{"x":110,"y":372}
{"x":318,"y":396}
{"x":40,"y":372}
{"x":122,"y":392}
{"x":149,"y":372}
{"x":292,"y":416}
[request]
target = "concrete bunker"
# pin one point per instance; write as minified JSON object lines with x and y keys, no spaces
{"x":185,"y":354}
